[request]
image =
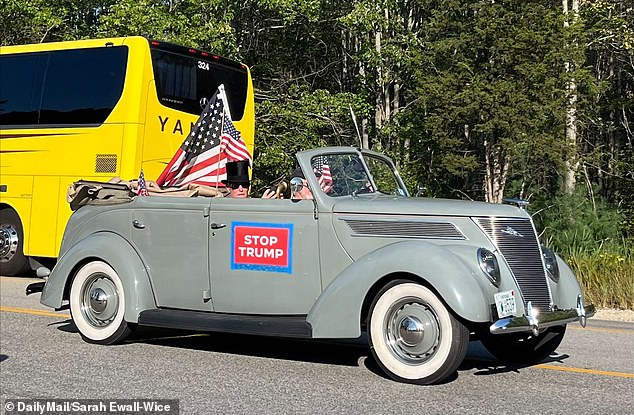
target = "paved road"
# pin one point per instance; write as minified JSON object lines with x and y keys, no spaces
{"x":42,"y":356}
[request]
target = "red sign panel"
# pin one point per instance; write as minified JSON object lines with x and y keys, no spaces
{"x":261,"y":246}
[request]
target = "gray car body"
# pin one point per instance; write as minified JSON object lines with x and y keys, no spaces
{"x":175,"y":254}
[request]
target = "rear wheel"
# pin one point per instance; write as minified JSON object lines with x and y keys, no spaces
{"x":523,"y":347}
{"x":12,"y":259}
{"x":413,"y":336}
{"x":97,"y":304}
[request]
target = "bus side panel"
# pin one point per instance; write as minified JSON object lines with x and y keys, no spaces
{"x":165,"y":131}
{"x":132,"y":109}
{"x":246,"y":125}
{"x":131,"y":153}
{"x":63,"y":214}
{"x":46,"y":162}
{"x":18,"y":195}
{"x":44,"y":220}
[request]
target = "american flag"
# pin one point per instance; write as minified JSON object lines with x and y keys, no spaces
{"x":322,"y":171}
{"x":201,"y":158}
{"x":232,"y":143}
{"x":142,"y":190}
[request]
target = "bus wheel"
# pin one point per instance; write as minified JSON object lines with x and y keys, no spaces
{"x":12,"y":259}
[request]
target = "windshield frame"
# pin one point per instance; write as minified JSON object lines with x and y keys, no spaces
{"x":305,"y":161}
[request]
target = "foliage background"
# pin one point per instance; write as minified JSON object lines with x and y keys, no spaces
{"x":473,"y":99}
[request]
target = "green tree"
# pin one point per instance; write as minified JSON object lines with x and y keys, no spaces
{"x":36,"y":21}
{"x":487,"y":96}
{"x":205,"y":24}
{"x":607,"y":126}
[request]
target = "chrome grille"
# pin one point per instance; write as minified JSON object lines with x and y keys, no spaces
{"x":404,"y":228}
{"x":516,"y":240}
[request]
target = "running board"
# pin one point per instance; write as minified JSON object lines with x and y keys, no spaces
{"x":280,"y":326}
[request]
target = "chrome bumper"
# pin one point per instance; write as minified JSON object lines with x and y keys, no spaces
{"x":535,"y":322}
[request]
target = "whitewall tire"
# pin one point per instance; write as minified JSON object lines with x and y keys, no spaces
{"x":413,"y":336}
{"x":97,"y":304}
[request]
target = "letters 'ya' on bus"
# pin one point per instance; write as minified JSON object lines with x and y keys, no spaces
{"x":92,"y":110}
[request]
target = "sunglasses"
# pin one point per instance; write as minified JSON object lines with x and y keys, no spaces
{"x":237,"y":185}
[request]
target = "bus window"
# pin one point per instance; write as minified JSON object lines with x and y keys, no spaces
{"x":83,"y":86}
{"x":185,"y":82}
{"x":18,"y":89}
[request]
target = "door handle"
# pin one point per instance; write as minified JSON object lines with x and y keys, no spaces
{"x":217,"y":225}
{"x":138,"y":224}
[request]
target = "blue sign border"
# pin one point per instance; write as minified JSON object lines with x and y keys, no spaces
{"x":266,"y":268}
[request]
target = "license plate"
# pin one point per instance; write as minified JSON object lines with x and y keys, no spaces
{"x":505,"y":303}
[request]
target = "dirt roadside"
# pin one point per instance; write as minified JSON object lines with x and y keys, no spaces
{"x":614,"y":315}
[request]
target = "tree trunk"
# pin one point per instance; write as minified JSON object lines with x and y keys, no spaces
{"x":496,"y":173}
{"x":572,"y":161}
{"x":378,"y":99}
{"x":365,"y":129}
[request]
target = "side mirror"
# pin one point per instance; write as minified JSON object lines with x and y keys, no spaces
{"x":421,"y":189}
{"x":297,"y":184}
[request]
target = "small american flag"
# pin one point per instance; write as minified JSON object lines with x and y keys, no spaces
{"x":142,"y":191}
{"x":322,"y":171}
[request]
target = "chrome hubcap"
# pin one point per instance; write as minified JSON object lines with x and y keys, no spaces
{"x":8,"y":242}
{"x":412,"y":331}
{"x":100,"y":301}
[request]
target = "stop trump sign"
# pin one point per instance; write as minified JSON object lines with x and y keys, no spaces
{"x":262,"y":246}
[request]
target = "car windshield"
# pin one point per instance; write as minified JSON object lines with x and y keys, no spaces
{"x":348,"y":174}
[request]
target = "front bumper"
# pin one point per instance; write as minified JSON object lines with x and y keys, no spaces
{"x":535,"y":322}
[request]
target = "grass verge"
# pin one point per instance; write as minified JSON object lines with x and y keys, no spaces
{"x":606,"y":277}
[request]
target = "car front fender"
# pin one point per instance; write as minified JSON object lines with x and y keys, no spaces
{"x":566,"y":290}
{"x":337,"y":311}
{"x":116,"y":252}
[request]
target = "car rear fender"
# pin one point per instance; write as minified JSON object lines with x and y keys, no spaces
{"x":120,"y":255}
{"x":337,"y":312}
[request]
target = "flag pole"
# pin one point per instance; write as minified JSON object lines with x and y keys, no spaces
{"x":222,"y":129}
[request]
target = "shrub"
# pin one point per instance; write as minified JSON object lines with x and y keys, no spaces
{"x":590,"y":237}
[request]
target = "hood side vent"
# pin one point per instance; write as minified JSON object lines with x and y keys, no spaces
{"x":404,"y":229}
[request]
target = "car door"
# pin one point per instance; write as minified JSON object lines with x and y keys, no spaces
{"x":263,"y":256}
{"x":171,"y":235}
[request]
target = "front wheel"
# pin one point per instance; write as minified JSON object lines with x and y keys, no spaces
{"x":97,"y":304}
{"x":413,"y":336}
{"x":523,"y":347}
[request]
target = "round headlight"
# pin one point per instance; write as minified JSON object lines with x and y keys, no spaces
{"x":489,"y":265}
{"x":550,"y":262}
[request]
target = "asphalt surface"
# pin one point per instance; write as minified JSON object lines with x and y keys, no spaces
{"x":43,"y":356}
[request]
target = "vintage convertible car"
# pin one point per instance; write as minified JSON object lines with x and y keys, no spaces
{"x":421,"y":276}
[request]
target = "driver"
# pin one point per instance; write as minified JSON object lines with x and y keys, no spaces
{"x":238,"y":179}
{"x":238,"y":182}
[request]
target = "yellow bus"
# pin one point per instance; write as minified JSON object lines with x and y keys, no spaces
{"x":92,"y":110}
